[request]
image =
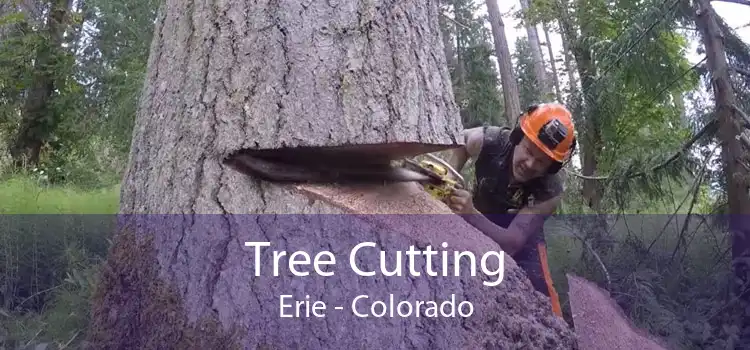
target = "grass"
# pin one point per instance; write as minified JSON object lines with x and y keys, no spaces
{"x":49,"y":262}
{"x":23,"y":195}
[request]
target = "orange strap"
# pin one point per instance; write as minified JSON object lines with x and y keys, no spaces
{"x":548,"y":279}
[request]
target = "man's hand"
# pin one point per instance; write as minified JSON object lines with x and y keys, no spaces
{"x":460,"y":202}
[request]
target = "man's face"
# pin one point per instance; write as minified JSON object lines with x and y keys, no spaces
{"x":529,"y":161}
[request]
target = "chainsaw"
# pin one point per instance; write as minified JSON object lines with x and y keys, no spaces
{"x":444,"y":178}
{"x":333,"y":166}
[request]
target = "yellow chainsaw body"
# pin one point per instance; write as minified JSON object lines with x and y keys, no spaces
{"x":445,"y":187}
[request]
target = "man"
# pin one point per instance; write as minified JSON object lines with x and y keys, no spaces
{"x":517,"y":185}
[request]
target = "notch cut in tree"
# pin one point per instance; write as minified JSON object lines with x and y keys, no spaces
{"x":286,"y":74}
{"x":230,"y":76}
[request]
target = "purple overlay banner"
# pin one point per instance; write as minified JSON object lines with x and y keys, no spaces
{"x":328,"y":275}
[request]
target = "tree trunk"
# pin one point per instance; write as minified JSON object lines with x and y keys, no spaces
{"x":231,"y":76}
{"x":732,"y":153}
{"x":569,"y":68}
{"x":357,"y":82}
{"x":510,"y":86}
{"x":460,"y":64}
{"x":536,"y":56}
{"x":447,"y":41}
{"x":585,"y":110}
{"x":591,"y":139}
{"x":38,"y":118}
{"x":555,"y":80}
{"x":679,"y":103}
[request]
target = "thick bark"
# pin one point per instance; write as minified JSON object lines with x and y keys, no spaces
{"x":507,"y":79}
{"x":229,"y":76}
{"x":553,"y":64}
{"x":283,"y":76}
{"x":732,"y":154}
{"x":536,"y":56}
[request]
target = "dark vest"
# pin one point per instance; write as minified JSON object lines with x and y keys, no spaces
{"x":494,"y":196}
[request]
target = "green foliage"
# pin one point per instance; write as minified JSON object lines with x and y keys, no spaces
{"x":64,"y":322}
{"x":97,"y":86}
{"x":482,"y":98}
{"x":665,"y":277}
{"x":669,"y":275}
{"x":529,"y":90}
{"x":49,"y":261}
{"x":738,"y":58}
{"x":477,"y":91}
{"x":117,"y":62}
{"x":17,"y":50}
{"x":630,"y":120}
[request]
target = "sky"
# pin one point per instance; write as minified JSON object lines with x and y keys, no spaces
{"x":737,"y":16}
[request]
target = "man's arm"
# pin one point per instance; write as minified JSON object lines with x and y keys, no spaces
{"x":527,"y":222}
{"x":473,"y":139}
{"x":530,"y":219}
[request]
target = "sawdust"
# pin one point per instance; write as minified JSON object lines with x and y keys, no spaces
{"x":600,"y":323}
{"x":382,"y":202}
{"x":397,"y":198}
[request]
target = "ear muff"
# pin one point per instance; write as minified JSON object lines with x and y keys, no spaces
{"x":531,"y":109}
{"x":516,"y":135}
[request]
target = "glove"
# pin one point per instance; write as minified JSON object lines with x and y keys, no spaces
{"x":460,"y":202}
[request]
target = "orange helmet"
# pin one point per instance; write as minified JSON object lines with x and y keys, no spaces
{"x":550,"y":127}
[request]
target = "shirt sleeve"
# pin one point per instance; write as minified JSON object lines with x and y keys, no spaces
{"x":493,"y":136}
{"x":496,"y":141}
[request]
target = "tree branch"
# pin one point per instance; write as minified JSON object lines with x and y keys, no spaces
{"x":710,"y":126}
{"x":453,"y":20}
{"x":741,"y":2}
{"x":745,"y":118}
{"x":741,"y":71}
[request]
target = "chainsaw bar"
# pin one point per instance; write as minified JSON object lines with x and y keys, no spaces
{"x":412,"y":165}
{"x":325,"y":171}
